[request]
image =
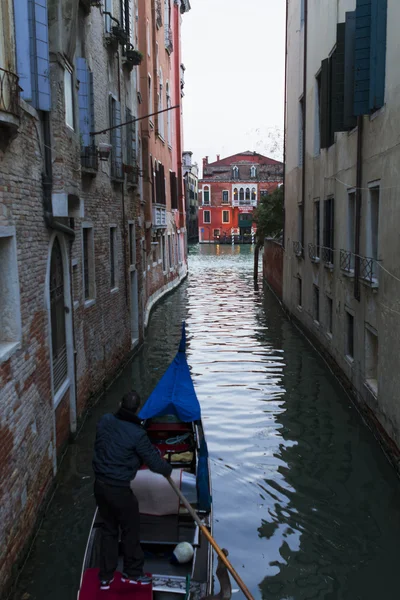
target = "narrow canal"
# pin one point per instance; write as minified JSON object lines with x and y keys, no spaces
{"x":304,"y":499}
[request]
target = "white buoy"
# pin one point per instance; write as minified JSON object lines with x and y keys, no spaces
{"x":183,"y":553}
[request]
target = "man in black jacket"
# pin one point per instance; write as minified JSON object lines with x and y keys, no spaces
{"x":121,"y":447}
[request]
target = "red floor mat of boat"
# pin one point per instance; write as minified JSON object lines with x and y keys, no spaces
{"x":90,"y":589}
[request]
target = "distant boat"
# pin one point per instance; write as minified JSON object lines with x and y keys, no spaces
{"x":172,"y":418}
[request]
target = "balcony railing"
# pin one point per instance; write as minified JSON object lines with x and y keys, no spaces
{"x":9,"y":92}
{"x":169,"y":43}
{"x":368,"y":270}
{"x":346,"y":261}
{"x":313,"y":252}
{"x":159,"y":216}
{"x":237,"y":202}
{"x":89,"y":159}
{"x":298,"y":249}
{"x":327,"y":255}
{"x":117,"y":171}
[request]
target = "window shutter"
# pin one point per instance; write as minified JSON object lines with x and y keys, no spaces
{"x":41,"y":55}
{"x":325,"y":103}
{"x":118,"y":139}
{"x":349,"y":120}
{"x":21,"y":23}
{"x":338,"y":80}
{"x":83,"y":100}
{"x":301,"y":131}
{"x":91,"y":102}
{"x":378,"y":53}
{"x":362,"y":57}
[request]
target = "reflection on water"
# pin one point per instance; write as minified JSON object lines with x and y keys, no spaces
{"x":304,"y":499}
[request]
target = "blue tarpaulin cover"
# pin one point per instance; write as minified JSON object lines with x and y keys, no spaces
{"x":174,"y":393}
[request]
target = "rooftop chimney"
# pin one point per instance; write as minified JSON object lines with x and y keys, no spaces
{"x":205,"y":162}
{"x":218,"y":157}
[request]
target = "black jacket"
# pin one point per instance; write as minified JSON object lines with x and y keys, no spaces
{"x":121,"y":447}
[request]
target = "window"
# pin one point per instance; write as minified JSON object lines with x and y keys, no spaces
{"x":75,"y":282}
{"x":217,"y":232}
{"x":253,"y":194}
{"x":371,"y":358}
{"x":328,"y":252}
{"x":10,"y":316}
{"x":170,"y":252}
{"x":150,"y":92}
{"x":302,"y":13}
{"x":163,"y":253}
{"x":130,"y":141}
{"x":373,"y":228}
{"x":317,"y":119}
{"x":179,"y":248}
{"x":206,"y":195}
{"x":132,"y":245}
{"x":253,"y":171}
{"x":225,"y":197}
{"x":169,"y":130}
{"x":350,"y":335}
{"x":174,"y":190}
{"x":57,"y":317}
{"x":301,"y":131}
{"x":86,"y":108}
{"x":225,"y":216}
{"x":317,"y":222}
{"x":351,"y":227}
{"x":300,"y":224}
{"x":247,"y":195}
{"x":316,"y":302}
{"x":235,"y":196}
{"x":241,"y":195}
{"x":113,"y":241}
{"x":329,"y":314}
{"x":263,"y":194}
{"x":235,"y":173}
{"x":108,"y":8}
{"x":154,"y":249}
{"x":116,"y":139}
{"x":88,"y":262}
{"x":206,"y":216}
{"x":144,"y":257}
{"x":161,"y":128}
{"x":68,"y":98}
{"x":299,"y":292}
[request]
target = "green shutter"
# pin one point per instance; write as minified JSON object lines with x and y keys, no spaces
{"x":362,"y":74}
{"x":325,"y":103}
{"x":349,"y":120}
{"x":378,"y":54}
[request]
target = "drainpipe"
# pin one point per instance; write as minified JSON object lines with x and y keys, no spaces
{"x":303,"y":183}
{"x":284,"y":125}
{"x":360,"y":127}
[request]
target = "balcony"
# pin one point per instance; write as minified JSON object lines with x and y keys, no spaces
{"x":9,"y":99}
{"x":347,"y":262}
{"x":328,"y":256}
{"x":368,"y":271}
{"x":313,"y":252}
{"x":237,"y":202}
{"x":169,"y":43}
{"x":89,"y":159}
{"x":117,"y":171}
{"x":159,"y":216}
{"x":298,"y":249}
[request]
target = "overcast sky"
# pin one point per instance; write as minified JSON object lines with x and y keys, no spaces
{"x":234,"y":54}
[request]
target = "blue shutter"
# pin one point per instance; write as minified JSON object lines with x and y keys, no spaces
{"x":41,"y":55}
{"x":108,"y":8}
{"x":362,"y":57}
{"x":118,"y":138}
{"x":378,"y":53}
{"x":91,"y":101}
{"x":23,"y":48}
{"x":349,"y":54}
{"x":83,"y":100}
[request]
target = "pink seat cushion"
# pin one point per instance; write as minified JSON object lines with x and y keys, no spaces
{"x":90,"y":589}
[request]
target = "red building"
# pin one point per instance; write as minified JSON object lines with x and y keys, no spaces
{"x":229,"y":192}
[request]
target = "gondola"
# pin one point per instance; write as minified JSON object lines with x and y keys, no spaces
{"x":173,"y":421}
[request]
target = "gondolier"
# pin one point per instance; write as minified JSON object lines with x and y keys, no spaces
{"x":121,"y":447}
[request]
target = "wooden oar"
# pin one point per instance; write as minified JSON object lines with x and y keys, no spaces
{"x":210,"y":538}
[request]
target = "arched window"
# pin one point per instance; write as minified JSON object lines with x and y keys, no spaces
{"x":253,"y":171}
{"x":235,"y":196}
{"x":253,"y":194}
{"x":206,"y":194}
{"x":241,"y":195}
{"x":235,"y":173}
{"x":161,"y":106}
{"x":57,"y":316}
{"x":248,"y":194}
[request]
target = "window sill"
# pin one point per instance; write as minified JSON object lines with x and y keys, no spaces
{"x":372,"y":386}
{"x":7,"y":349}
{"x":171,"y":269}
{"x":151,"y":124}
{"x":316,"y":260}
{"x":134,"y":343}
{"x":377,"y":113}
{"x":114,"y":290}
{"x":373,"y":285}
{"x":91,"y":302}
{"x":160,"y":137}
{"x":155,"y":264}
{"x":348,"y":274}
{"x":317,"y":324}
{"x":329,"y":266}
{"x":299,"y":308}
{"x":59,"y":395}
{"x":169,"y":147}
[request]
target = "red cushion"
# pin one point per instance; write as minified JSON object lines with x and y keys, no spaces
{"x":90,"y":589}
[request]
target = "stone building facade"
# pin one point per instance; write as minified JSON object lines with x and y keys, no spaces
{"x":77,"y":279}
{"x":191,"y":183}
{"x":341,"y":267}
{"x":230,"y":190}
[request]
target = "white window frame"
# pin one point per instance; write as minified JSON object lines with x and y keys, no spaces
{"x":223,"y":202}
{"x":69,"y":97}
{"x":10,"y":342}
{"x":373,"y":186}
{"x":205,"y":188}
{"x":253,"y":171}
{"x":204,"y":221}
{"x":371,"y":382}
{"x":91,"y":262}
{"x":150,"y":92}
{"x":229,"y":217}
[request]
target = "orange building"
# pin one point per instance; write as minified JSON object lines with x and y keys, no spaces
{"x":230,"y":191}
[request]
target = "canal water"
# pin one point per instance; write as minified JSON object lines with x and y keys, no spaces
{"x":304,"y":499}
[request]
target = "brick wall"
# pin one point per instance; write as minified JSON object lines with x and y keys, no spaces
{"x":273,"y":265}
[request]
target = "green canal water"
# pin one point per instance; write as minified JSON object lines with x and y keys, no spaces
{"x":304,"y":499}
